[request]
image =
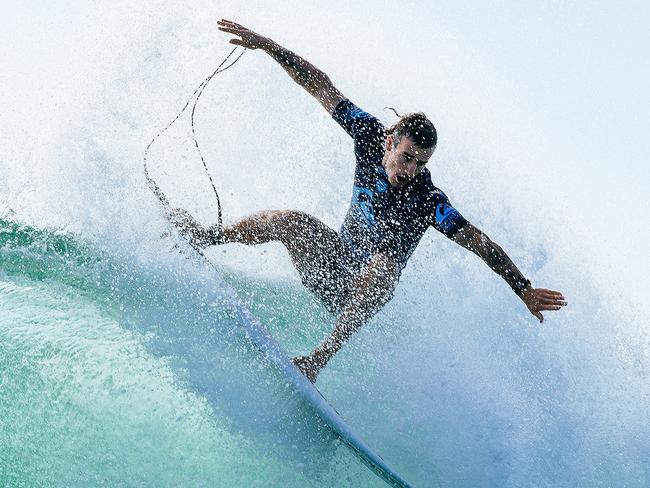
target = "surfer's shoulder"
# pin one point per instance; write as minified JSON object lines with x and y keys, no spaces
{"x":430,"y":191}
{"x":354,"y":119}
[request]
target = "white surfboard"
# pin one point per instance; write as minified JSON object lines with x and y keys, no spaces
{"x":263,"y":341}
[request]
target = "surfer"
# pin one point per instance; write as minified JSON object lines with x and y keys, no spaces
{"x":394,"y":201}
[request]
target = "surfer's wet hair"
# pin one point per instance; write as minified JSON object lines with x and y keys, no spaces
{"x":418,"y":127}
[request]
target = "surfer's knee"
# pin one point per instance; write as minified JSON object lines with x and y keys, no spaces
{"x":294,"y":218}
{"x":285,"y":224}
{"x":269,"y":223}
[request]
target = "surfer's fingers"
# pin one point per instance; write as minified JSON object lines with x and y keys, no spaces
{"x":229,"y":26}
{"x":238,"y":42}
{"x":546,"y":291}
{"x":549,"y":307}
{"x":229,"y":23}
{"x":545,"y":295}
{"x":553,"y":301}
{"x":231,"y":30}
{"x":234,"y":29}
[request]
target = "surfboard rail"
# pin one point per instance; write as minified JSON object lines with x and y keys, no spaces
{"x":269,"y":346}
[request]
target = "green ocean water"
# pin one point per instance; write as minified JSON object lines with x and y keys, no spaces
{"x":93,"y":395}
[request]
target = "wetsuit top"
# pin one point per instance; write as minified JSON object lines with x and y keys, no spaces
{"x":383,"y":218}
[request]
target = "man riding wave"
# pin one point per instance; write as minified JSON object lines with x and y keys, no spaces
{"x":394,"y":201}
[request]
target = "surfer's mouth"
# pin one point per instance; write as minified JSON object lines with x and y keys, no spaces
{"x":402,"y":180}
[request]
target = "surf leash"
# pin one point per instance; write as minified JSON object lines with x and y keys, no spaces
{"x":151,"y":183}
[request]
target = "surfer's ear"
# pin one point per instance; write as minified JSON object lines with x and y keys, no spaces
{"x":389,"y":142}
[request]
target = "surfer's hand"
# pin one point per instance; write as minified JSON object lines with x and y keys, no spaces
{"x":540,"y":299}
{"x":248,"y":38}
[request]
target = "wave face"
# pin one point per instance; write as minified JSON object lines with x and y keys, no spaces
{"x":127,"y":373}
{"x":120,"y":362}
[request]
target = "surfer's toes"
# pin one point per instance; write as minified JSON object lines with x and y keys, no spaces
{"x":306,"y":367}
{"x":180,"y":218}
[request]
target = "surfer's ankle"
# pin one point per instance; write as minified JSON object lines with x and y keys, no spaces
{"x":306,"y":366}
{"x":321,"y":356}
{"x":216,"y":235}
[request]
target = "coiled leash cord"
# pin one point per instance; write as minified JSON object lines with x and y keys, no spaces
{"x":153,"y":186}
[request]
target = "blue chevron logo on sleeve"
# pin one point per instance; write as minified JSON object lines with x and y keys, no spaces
{"x":357,"y":113}
{"x":443,"y":212}
{"x":446,"y":216}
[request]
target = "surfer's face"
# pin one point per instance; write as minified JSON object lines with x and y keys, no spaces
{"x":404,"y":161}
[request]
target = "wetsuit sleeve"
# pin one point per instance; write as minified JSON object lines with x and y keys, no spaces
{"x":446,"y":219}
{"x":366,"y":130}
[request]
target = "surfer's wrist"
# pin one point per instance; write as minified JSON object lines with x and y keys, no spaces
{"x":269,"y":46}
{"x":215,"y":235}
{"x":521,"y":286}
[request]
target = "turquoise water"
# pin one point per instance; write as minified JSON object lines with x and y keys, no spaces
{"x":112,"y":376}
{"x":119,"y":371}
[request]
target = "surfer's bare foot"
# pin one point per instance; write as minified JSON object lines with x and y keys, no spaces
{"x":306,"y":366}
{"x":193,"y":231}
{"x":184,"y":221}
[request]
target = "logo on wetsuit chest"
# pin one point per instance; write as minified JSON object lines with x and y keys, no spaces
{"x":363,"y":197}
{"x":367,"y":197}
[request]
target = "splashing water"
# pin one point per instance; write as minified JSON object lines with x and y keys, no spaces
{"x":120,"y":362}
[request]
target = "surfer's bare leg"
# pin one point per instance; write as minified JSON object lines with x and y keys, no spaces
{"x":305,"y":237}
{"x":371,"y":290}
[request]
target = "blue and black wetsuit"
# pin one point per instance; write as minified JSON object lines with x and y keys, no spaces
{"x":381,"y":218}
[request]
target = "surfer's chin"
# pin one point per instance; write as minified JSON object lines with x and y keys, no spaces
{"x":398,"y":182}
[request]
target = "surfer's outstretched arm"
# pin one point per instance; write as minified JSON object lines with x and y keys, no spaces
{"x":536,"y":299}
{"x":315,"y":81}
